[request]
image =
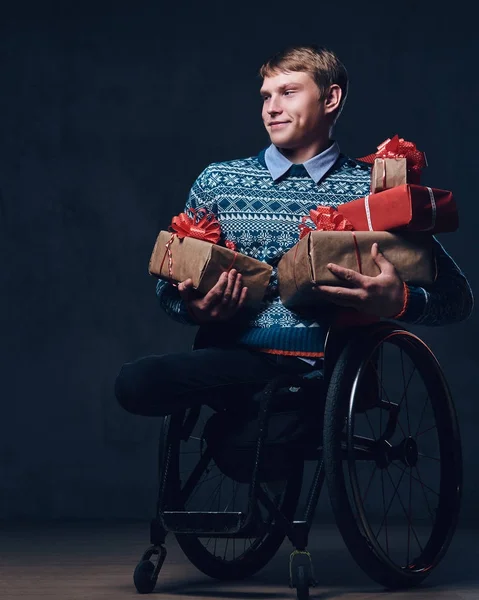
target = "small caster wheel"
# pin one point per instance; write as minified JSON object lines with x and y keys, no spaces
{"x":142,"y":577}
{"x":302,"y":584}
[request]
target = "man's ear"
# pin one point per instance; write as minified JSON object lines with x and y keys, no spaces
{"x":332,"y":98}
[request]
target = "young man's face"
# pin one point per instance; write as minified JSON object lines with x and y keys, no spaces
{"x":292,"y":112}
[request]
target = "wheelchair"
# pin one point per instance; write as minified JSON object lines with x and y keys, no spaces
{"x":384,"y":435}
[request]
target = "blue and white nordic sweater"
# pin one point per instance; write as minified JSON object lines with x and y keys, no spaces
{"x":262,"y":216}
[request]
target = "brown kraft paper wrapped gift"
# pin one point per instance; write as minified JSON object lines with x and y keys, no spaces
{"x":204,"y":262}
{"x":388,"y":173}
{"x":306,"y":263}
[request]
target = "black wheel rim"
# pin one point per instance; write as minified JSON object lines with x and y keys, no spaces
{"x":409,"y":453}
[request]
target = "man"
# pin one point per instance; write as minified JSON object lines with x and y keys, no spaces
{"x":259,"y":202}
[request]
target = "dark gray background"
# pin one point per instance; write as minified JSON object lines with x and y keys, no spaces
{"x":108,"y":112}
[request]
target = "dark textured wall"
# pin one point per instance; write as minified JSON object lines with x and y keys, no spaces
{"x":108,"y":111}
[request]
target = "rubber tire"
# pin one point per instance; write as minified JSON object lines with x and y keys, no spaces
{"x":337,"y":401}
{"x":142,"y":577}
{"x":302,"y":585}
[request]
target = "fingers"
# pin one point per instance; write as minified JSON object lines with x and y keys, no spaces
{"x":185,"y":288}
{"x":215,"y":295}
{"x":352,"y":278}
{"x":238,"y":286}
{"x":233,"y":279}
{"x":381,"y":261}
{"x":233,"y":299}
{"x":224,"y":299}
{"x":340,"y":295}
{"x":242,"y":299}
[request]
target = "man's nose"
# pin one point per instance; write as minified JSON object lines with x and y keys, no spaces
{"x":274,"y":106}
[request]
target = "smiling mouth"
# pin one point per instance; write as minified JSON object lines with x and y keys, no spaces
{"x":279,"y":124}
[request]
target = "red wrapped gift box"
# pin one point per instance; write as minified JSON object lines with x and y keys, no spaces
{"x":411,"y":207}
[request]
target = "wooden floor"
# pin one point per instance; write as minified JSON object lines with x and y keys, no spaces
{"x":88,"y":561}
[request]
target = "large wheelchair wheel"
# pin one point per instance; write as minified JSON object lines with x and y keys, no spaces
{"x":392,"y":455}
{"x":194,"y":482}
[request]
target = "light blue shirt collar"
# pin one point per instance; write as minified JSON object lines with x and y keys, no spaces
{"x":316,"y":167}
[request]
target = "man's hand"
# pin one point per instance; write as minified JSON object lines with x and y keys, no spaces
{"x":382,"y":296}
{"x":221,"y":303}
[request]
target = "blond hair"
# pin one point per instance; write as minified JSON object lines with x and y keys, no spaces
{"x":321,"y":64}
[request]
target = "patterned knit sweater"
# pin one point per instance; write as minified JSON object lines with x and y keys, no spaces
{"x":262,"y":216}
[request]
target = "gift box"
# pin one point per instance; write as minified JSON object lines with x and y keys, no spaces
{"x":176,"y":259}
{"x":396,"y":162}
{"x":305,"y":265}
{"x":388,"y":173}
{"x":405,"y":207}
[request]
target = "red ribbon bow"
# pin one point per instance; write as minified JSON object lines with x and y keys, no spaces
{"x":400,"y":148}
{"x":326,"y":219}
{"x":203,"y":225}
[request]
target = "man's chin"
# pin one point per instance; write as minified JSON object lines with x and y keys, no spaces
{"x":283,"y":142}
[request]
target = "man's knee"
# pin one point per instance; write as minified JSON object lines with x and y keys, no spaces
{"x":146,"y":385}
{"x":124,"y":389}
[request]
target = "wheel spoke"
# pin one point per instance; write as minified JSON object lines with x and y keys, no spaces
{"x":426,"y":430}
{"x":422,"y":415}
{"x":407,"y":387}
{"x":195,"y":476}
{"x":416,"y":479}
{"x":226,"y":548}
{"x":431,"y":457}
{"x":369,"y":484}
{"x":215,"y":491}
{"x":389,"y":507}
{"x":425,"y":495}
{"x":384,"y":506}
{"x":405,"y":512}
{"x":198,"y":486}
{"x":389,"y":401}
{"x":370,"y":425}
{"x":381,"y":383}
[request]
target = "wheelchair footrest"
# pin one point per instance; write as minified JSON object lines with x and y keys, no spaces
{"x":202,"y":522}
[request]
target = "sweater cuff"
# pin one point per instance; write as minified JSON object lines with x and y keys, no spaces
{"x":415,"y":302}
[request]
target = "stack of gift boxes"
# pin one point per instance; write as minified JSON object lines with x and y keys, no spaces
{"x":399,"y":214}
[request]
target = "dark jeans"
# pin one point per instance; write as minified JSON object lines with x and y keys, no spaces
{"x":222,"y":377}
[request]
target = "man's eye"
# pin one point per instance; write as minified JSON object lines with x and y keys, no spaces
{"x":287,"y":92}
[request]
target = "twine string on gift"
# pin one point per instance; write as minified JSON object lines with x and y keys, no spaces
{"x":357,"y":253}
{"x":433,"y":208}
{"x":326,"y":218}
{"x":382,"y":161}
{"x":170,"y":258}
{"x":368,"y":213}
{"x":232,"y":262}
{"x":202,"y":225}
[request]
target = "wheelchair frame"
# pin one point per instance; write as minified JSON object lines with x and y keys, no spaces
{"x":239,"y":524}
